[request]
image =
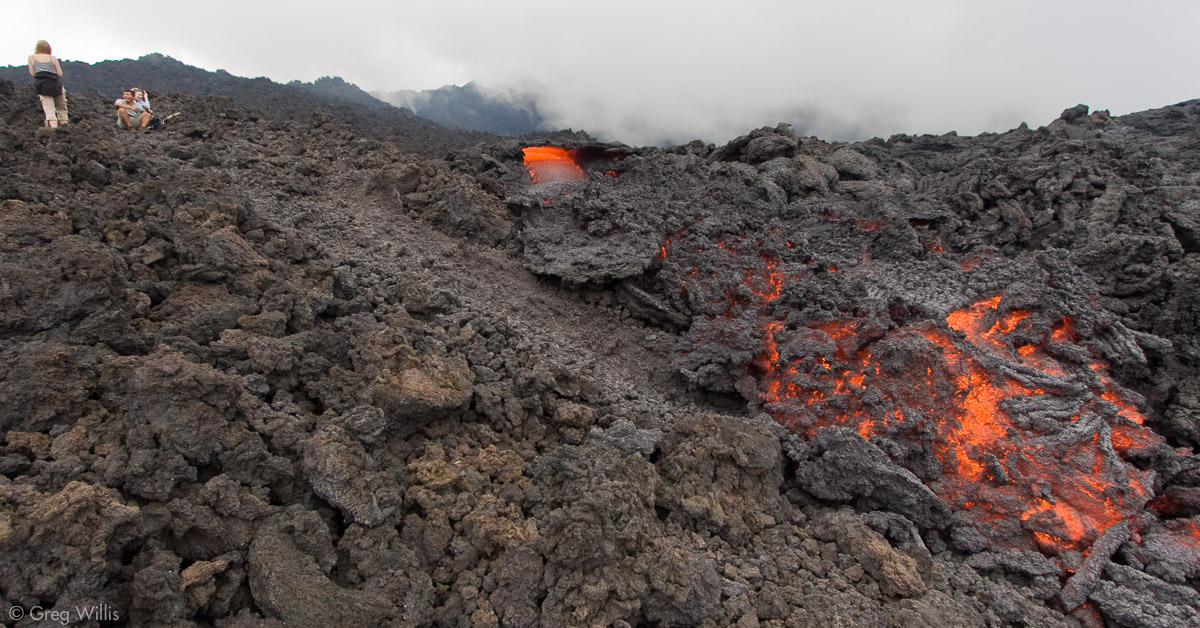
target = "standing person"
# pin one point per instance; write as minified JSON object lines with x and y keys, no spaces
{"x":131,"y":114}
{"x":47,"y":75}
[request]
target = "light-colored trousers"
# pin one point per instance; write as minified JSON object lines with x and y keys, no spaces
{"x":55,"y":108}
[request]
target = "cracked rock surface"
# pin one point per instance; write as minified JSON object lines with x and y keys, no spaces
{"x":274,"y":372}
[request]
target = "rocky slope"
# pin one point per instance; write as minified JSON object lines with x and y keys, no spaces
{"x":262,"y":371}
{"x":161,"y":74}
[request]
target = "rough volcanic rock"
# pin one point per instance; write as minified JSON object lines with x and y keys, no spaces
{"x":730,"y":482}
{"x":66,"y":545}
{"x":68,"y":279}
{"x":896,"y":572}
{"x":844,"y":466}
{"x":342,"y":473}
{"x":292,"y":585}
{"x":268,"y":371}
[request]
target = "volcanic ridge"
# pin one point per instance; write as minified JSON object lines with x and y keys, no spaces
{"x":275,"y":370}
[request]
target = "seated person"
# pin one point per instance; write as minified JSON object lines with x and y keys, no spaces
{"x":132,"y":114}
{"x":142,"y":96}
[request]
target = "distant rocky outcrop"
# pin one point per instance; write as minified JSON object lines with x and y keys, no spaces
{"x":468,"y":107}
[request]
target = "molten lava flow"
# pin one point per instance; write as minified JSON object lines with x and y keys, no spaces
{"x":1063,"y":331}
{"x":547,"y":164}
{"x":1064,"y":488}
{"x":1088,"y":490}
{"x":1026,"y":448}
{"x":767,"y":283}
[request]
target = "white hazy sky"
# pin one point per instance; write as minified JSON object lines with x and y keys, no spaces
{"x":642,"y":71}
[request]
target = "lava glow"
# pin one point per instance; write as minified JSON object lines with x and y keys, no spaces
{"x":767,"y":283}
{"x":1065,"y":487}
{"x":547,"y":164}
{"x":1020,"y":460}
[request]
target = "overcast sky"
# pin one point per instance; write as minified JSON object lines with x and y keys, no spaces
{"x":642,"y":71}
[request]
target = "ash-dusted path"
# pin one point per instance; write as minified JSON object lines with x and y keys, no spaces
{"x":596,"y":334}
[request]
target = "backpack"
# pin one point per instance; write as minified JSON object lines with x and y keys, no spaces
{"x":157,"y":122}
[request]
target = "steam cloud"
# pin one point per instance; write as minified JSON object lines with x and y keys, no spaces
{"x":672,"y":72}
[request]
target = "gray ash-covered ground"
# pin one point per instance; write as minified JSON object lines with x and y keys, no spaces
{"x":261,"y":372}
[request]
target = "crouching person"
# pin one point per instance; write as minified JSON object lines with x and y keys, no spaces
{"x":132,"y":114}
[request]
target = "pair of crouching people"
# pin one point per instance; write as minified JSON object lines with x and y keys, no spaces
{"x":133,"y":110}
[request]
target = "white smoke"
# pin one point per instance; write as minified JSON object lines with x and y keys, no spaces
{"x":642,"y":72}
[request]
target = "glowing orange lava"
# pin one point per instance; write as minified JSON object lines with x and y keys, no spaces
{"x":547,"y":164}
{"x":771,"y":277}
{"x":1064,"y":490}
{"x":1063,"y":331}
{"x":1024,"y":446}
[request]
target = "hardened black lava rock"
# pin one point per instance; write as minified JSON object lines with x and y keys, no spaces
{"x":263,"y":371}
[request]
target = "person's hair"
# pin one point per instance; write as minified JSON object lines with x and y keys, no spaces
{"x":42,"y":48}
